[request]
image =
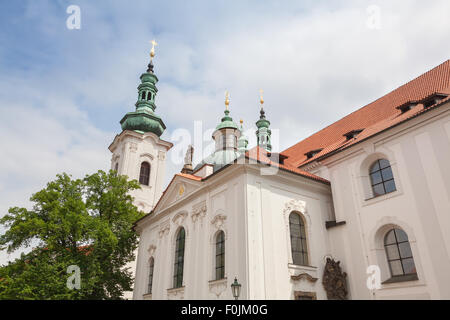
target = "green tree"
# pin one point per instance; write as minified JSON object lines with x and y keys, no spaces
{"x":83,"y":222}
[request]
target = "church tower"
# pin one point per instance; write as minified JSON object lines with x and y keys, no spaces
{"x":243,"y":140}
{"x":263,"y":134}
{"x":138,"y":152}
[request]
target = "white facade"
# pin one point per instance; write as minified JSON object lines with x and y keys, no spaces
{"x":253,"y":211}
{"x":419,"y":153}
{"x":129,"y":150}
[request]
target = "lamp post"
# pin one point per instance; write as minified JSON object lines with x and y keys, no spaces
{"x":236,"y":289}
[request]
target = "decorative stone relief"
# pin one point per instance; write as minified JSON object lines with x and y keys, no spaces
{"x":198,"y":211}
{"x":133,"y":146}
{"x":161,"y":155}
{"x":218,"y":286}
{"x":334,"y":280}
{"x":305,"y":276}
{"x":179,"y":218}
{"x":295,"y":205}
{"x":181,"y":190}
{"x":146,"y":155}
{"x":164,"y":229}
{"x":175,"y":294}
{"x":151,"y":250}
{"x":218,"y":220}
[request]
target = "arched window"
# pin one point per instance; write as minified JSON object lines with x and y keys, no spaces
{"x":399,"y":254}
{"x":381,"y":178}
{"x":298,"y":239}
{"x":143,"y":95}
{"x":179,"y":260}
{"x":149,"y":95}
{"x":144,"y":175}
{"x":150,"y":274}
{"x":220,"y":255}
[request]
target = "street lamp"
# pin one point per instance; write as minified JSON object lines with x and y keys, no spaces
{"x":236,"y":288}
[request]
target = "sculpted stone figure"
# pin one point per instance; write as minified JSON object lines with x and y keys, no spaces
{"x":334,"y":280}
{"x":187,"y":168}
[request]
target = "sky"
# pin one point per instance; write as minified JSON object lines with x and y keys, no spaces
{"x":63,"y":91}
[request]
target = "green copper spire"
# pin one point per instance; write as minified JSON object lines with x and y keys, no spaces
{"x":227,"y":121}
{"x":243,"y":140}
{"x":263,"y":133}
{"x":144,"y":119}
{"x":226,"y":138}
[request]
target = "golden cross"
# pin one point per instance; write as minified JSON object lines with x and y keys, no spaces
{"x":227,"y":100}
{"x":152,"y":52}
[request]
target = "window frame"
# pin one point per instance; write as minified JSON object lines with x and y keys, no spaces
{"x":383,"y":182}
{"x":151,"y":266}
{"x":302,"y":236}
{"x":219,"y":269}
{"x":178,"y":271}
{"x":397,"y":243}
{"x":143,"y":178}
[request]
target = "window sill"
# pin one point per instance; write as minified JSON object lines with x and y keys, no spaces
{"x":217,"y":281}
{"x":405,"y":278}
{"x":385,"y":196}
{"x":300,"y":267}
{"x":175,"y":289}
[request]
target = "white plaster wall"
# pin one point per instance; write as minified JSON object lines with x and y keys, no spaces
{"x":419,"y":152}
{"x":270,"y":201}
{"x":129,"y":150}
{"x":223,"y":198}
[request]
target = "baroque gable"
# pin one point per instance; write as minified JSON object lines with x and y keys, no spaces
{"x":177,"y":190}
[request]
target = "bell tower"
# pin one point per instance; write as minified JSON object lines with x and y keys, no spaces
{"x":138,"y":151}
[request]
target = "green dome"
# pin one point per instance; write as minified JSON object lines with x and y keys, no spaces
{"x":144,"y":119}
{"x":227,"y":122}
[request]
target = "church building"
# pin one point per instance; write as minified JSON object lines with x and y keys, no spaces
{"x":358,"y":210}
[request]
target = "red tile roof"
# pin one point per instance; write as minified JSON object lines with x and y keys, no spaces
{"x":262,"y":156}
{"x":373,"y":118}
{"x":189,"y":176}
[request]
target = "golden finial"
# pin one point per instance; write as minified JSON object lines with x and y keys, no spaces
{"x":152,"y":52}
{"x":227,"y":99}
{"x":241,"y":121}
{"x":261,"y":100}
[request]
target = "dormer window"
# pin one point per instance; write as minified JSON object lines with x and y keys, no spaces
{"x":433,"y":99}
{"x":352,"y":134}
{"x":407,"y":106}
{"x":312,"y":153}
{"x":277,"y":157}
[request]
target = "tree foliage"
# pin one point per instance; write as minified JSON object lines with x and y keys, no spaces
{"x":83,"y":222}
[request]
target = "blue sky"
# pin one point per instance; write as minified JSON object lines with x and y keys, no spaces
{"x":63,"y":92}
